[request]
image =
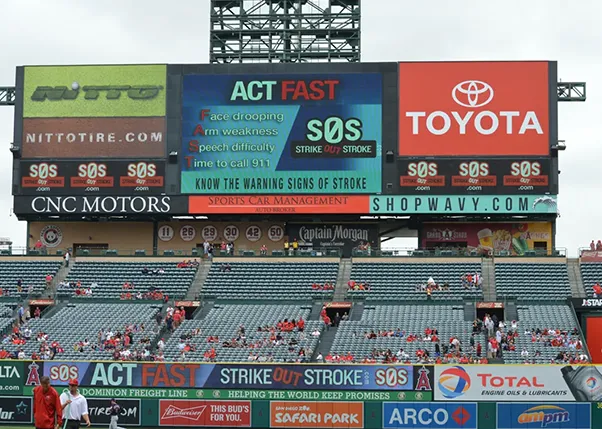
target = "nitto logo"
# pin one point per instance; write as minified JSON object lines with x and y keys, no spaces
{"x":472,"y":93}
{"x":545,"y":414}
{"x":92,"y":92}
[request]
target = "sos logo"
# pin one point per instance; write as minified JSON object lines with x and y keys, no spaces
{"x":42,"y":176}
{"x":92,"y":175}
{"x":423,"y":169}
{"x":474,"y":169}
{"x":473,"y":175}
{"x":63,"y":373}
{"x":422,"y":175}
{"x":525,"y":169}
{"x":526,"y":175}
{"x":391,"y":377}
{"x":43,"y":171}
{"x":141,"y":176}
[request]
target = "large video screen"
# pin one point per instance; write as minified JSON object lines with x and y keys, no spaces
{"x":282,"y":134}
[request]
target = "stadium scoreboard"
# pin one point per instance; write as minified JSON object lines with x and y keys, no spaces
{"x":359,"y":131}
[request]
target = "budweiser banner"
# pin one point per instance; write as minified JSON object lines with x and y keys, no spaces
{"x":342,"y":236}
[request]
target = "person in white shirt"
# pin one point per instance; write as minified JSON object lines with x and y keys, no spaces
{"x":75,"y":406}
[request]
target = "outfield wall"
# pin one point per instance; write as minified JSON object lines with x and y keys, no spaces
{"x":318,"y":396}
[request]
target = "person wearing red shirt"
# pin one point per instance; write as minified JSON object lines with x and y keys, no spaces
{"x":301,"y":325}
{"x":47,"y":408}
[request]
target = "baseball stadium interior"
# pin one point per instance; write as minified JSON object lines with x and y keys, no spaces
{"x":181,"y":214}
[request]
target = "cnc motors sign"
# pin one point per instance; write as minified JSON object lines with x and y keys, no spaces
{"x":109,"y":205}
{"x":474,"y":108}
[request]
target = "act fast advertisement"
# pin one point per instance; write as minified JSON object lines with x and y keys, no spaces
{"x":282,"y":134}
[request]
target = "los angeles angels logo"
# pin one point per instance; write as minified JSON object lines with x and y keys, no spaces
{"x":33,"y":377}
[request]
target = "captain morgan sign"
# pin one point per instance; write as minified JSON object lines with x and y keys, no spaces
{"x":333,"y":236}
{"x":282,"y":134}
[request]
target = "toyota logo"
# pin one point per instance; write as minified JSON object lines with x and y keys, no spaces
{"x":472,"y":93}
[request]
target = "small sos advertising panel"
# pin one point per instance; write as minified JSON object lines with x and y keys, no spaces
{"x":92,"y":177}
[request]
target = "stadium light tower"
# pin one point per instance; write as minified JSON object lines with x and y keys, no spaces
{"x":284,"y":31}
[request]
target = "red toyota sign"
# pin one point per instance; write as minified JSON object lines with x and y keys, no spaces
{"x":202,"y":413}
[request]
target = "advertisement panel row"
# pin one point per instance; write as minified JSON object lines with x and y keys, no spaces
{"x":449,"y":383}
{"x":331,"y":415}
{"x":220,"y":376}
{"x":475,"y":176}
{"x":93,"y":177}
{"x":302,"y":129}
{"x":511,"y":238}
{"x":281,"y":204}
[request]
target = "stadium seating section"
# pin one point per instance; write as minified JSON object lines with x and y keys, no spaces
{"x":395,"y":281}
{"x":540,"y":317}
{"x":591,"y":273}
{"x":266,"y":280}
{"x":533,"y":281}
{"x":225,"y":321}
{"x":413,"y":319}
{"x":110,"y":277}
{"x":31,"y":273}
{"x":259,"y":292}
{"x":88,"y":319}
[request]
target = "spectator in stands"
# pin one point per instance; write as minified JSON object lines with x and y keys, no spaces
{"x":48,"y":279}
{"x":599,"y":245}
{"x":225,"y":268}
{"x":286,"y":247}
{"x":597,"y":290}
{"x":263,"y":251}
{"x":592,"y":246}
{"x":67,"y":257}
{"x":295,"y":245}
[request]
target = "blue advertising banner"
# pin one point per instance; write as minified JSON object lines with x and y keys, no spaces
{"x":527,"y":415}
{"x":218,"y":376}
{"x":456,"y":204}
{"x":456,"y":415}
{"x":282,"y":134}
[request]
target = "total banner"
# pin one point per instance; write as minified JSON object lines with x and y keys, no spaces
{"x":450,"y":204}
{"x":518,"y":383}
{"x":282,"y":134}
{"x":101,"y":205}
{"x":513,"y":238}
{"x":416,"y":415}
{"x":475,"y":176}
{"x":219,"y":376}
{"x":92,"y":177}
{"x":535,"y":415}
{"x":333,"y":236}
